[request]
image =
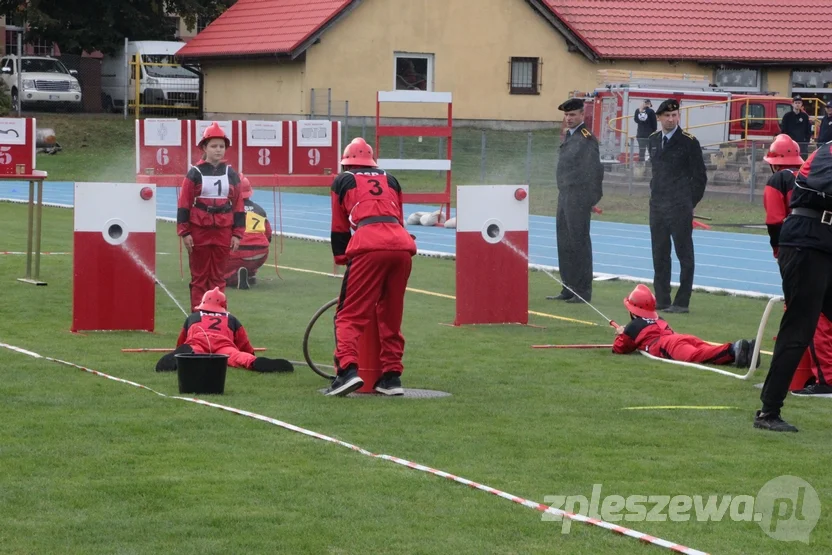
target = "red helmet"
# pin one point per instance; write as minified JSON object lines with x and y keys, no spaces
{"x":214,"y":131}
{"x":641,"y":302}
{"x":784,"y":151}
{"x":213,"y":301}
{"x":245,"y":187}
{"x":358,"y":153}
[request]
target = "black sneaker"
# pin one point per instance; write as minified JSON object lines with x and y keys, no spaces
{"x":560,"y":297}
{"x":269,"y":365}
{"x":742,"y":353}
{"x":814,"y":390}
{"x":345,"y":382}
{"x":772,"y":422}
{"x":242,"y":278}
{"x":675,"y":309}
{"x":390,"y":383}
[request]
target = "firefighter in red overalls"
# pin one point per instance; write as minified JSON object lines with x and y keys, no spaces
{"x":242,"y":265}
{"x":785,"y":161}
{"x":212,"y":329}
{"x":210,"y":216}
{"x":649,"y":333}
{"x":368,"y":201}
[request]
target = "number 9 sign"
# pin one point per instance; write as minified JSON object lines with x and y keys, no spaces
{"x":314,"y":157}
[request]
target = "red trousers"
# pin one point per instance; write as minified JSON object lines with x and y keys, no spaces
{"x":820,"y":351}
{"x":374,"y":281}
{"x":688,"y":348}
{"x":251,"y":260}
{"x":207,"y":263}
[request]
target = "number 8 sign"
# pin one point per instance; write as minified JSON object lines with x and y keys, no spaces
{"x":265,"y":147}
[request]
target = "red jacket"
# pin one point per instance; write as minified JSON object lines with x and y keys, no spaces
{"x":209,"y":331}
{"x":358,"y":198}
{"x":211,"y":216}
{"x":776,"y":198}
{"x":258,"y":233}
{"x":640,"y":334}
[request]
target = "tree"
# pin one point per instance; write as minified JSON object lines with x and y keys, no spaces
{"x":89,"y":25}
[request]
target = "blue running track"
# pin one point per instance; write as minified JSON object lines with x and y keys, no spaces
{"x":732,"y":261}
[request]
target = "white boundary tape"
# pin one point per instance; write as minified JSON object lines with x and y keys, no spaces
{"x":451,"y":256}
{"x":646,"y":538}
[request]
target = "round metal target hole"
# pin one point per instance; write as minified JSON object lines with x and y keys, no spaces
{"x":493,"y":230}
{"x":115,"y":231}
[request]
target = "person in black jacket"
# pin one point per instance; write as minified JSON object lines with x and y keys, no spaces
{"x":825,"y":126}
{"x":647,"y":123}
{"x":796,"y":125}
{"x":677,"y":186}
{"x":805,"y":261}
{"x":580,"y":175}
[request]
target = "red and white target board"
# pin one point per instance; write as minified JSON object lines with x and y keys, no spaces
{"x":162,"y":147}
{"x":492,"y":247}
{"x":17,"y":145}
{"x":316,"y":149}
{"x":232,"y":131}
{"x":114,"y":257}
{"x":266,"y":147}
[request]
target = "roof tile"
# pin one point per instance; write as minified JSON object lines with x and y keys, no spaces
{"x":705,"y":30}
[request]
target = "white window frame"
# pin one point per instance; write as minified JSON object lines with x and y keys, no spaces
{"x":820,"y":89}
{"x":419,"y":55}
{"x":758,"y":88}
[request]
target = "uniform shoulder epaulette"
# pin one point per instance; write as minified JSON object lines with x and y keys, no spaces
{"x":688,"y":135}
{"x":585,"y":132}
{"x":655,"y":132}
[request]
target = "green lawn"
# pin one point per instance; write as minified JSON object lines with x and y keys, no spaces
{"x":101,"y":148}
{"x":94,"y":466}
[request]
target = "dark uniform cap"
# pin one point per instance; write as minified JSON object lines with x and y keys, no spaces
{"x":669,"y":105}
{"x":571,"y":104}
{"x":797,"y":97}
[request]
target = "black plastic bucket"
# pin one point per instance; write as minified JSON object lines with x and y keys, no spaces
{"x":201,"y":373}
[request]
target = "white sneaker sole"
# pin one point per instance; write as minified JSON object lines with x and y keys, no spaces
{"x":395,"y":391}
{"x":346,"y":388}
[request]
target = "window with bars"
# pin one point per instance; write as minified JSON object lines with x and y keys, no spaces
{"x":524,"y":75}
{"x":203,"y":22}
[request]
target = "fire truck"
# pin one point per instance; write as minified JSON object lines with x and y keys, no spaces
{"x":714,"y":116}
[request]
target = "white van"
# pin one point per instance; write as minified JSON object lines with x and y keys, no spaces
{"x":163,"y":81}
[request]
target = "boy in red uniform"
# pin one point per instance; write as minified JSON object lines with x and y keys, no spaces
{"x":212,"y":329}
{"x":368,"y":201}
{"x":242,"y":265}
{"x":785,"y":161}
{"x":210,"y":216}
{"x":649,"y":333}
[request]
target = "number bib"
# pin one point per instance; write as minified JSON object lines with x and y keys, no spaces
{"x":372,"y":186}
{"x":255,"y":223}
{"x":215,"y":186}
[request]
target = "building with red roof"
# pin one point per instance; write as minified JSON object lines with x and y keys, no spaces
{"x":506,"y":60}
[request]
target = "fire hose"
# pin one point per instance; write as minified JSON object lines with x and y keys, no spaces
{"x":317,"y":367}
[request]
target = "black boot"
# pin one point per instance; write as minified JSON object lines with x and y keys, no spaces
{"x":269,"y":365}
{"x":168,"y":362}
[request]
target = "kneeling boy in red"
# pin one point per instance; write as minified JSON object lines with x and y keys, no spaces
{"x":212,"y":329}
{"x":378,"y":258}
{"x":649,"y":333}
{"x":242,"y":265}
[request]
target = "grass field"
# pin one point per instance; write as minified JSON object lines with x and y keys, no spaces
{"x":101,"y":148}
{"x":93,"y":466}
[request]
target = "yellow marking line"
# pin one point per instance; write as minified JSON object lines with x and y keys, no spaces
{"x":434,"y":294}
{"x":682,"y":407}
{"x":451,"y":297}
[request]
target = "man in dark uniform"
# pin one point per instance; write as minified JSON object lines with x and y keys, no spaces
{"x":677,"y":186}
{"x":796,"y":125}
{"x":805,"y":261}
{"x":580,"y":175}
{"x":647,"y":124}
{"x":825,"y":126}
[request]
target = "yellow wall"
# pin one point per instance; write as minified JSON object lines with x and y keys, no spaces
{"x":780,"y":80}
{"x":254,"y":87}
